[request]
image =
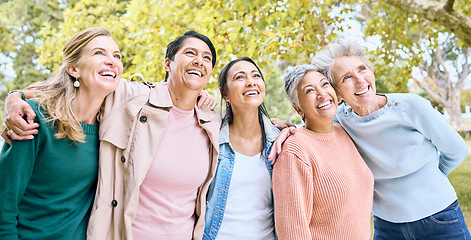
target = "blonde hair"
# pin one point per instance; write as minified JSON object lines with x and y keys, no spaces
{"x":57,"y":95}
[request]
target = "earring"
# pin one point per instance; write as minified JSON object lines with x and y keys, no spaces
{"x":77,"y":83}
{"x":228,"y":104}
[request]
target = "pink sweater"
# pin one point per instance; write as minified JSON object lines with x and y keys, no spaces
{"x":322,"y":188}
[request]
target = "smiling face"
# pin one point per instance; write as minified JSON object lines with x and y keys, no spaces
{"x":99,"y":67}
{"x":355,"y":82}
{"x":245,"y":86}
{"x":191,"y":67}
{"x":317,"y":101}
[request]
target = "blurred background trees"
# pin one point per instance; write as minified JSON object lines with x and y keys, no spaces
{"x":412,"y":49}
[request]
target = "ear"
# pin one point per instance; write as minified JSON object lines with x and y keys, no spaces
{"x":223,"y":95}
{"x":73,"y":71}
{"x":340,"y":100}
{"x":298,"y":110}
{"x":167,"y":65}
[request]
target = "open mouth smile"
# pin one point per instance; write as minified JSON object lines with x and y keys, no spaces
{"x":251,"y":93}
{"x":362,"y":91}
{"x":195,"y":72}
{"x":107,"y":74}
{"x":325,"y":105}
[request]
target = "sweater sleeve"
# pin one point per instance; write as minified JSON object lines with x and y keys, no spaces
{"x":433,"y":126}
{"x":16,"y":168}
{"x":293,"y":197}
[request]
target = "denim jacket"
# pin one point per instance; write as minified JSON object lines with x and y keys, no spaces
{"x":218,"y":190}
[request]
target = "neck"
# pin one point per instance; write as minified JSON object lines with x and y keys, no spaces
{"x":88,"y":106}
{"x":378,"y":102}
{"x":184,"y":99}
{"x":325,"y":126}
{"x":245,"y":124}
{"x":245,"y":133}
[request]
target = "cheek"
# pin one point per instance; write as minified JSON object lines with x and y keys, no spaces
{"x":209,"y":68}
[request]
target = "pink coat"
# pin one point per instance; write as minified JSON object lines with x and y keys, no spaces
{"x":132,"y":122}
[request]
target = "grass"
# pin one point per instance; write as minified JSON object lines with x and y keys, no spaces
{"x":460,"y":178}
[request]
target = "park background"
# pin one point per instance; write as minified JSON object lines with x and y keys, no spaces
{"x":419,"y":46}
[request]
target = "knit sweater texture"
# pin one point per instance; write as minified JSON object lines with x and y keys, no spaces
{"x":322,"y":188}
{"x":48,"y":184}
{"x":410,"y":148}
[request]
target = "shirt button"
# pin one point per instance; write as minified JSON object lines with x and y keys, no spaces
{"x":143,"y":119}
{"x":123,"y":159}
{"x":114,"y":203}
{"x":389,"y":104}
{"x":396,"y":104}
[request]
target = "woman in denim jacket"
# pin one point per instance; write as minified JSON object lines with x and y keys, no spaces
{"x":240,"y":201}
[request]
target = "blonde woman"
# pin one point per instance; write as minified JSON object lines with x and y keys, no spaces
{"x":49,"y":182}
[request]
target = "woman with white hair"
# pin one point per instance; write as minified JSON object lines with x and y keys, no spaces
{"x":322,"y":187}
{"x":408,"y":145}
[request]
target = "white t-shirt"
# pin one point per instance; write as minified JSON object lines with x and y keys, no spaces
{"x":249,"y":209}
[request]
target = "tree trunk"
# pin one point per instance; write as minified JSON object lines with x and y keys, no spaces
{"x":454,"y":110}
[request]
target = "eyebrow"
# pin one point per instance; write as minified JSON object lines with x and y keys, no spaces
{"x":242,"y":71}
{"x":196,"y":50}
{"x":305,"y":86}
{"x":100,"y":48}
{"x":310,"y":85}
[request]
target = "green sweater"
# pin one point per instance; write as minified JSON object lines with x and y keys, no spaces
{"x":48,"y":184}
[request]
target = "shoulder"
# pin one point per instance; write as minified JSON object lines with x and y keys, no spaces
{"x":38,"y":110}
{"x":297,"y":142}
{"x":297,"y":148}
{"x":408,"y":98}
{"x":412,"y":104}
{"x":271,"y":131}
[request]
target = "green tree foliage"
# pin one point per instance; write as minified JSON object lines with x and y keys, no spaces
{"x":19,"y":35}
{"x":408,"y":41}
{"x":276,"y":34}
{"x":267,"y":31}
{"x":20,"y":22}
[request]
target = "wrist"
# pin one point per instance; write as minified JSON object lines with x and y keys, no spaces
{"x":17,"y":91}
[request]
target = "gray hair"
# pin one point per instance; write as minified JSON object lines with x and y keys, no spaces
{"x":325,"y":58}
{"x":292,"y":79}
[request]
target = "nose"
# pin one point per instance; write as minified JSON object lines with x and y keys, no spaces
{"x":357,"y":78}
{"x":111,"y":60}
{"x":250,"y":81}
{"x":320,"y":94}
{"x":198,"y":60}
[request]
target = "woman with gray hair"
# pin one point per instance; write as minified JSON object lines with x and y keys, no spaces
{"x":408,"y":145}
{"x":322,"y":187}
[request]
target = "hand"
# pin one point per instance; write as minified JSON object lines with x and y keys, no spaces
{"x":280,"y":124}
{"x":19,"y":117}
{"x":206,"y":99}
{"x":276,"y":148}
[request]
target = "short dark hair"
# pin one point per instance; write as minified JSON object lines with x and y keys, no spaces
{"x":229,"y":115}
{"x":175,"y":45}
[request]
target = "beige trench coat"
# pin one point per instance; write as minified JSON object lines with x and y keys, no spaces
{"x":132,"y":122}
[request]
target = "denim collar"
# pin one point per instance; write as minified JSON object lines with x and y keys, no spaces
{"x":270,"y":130}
